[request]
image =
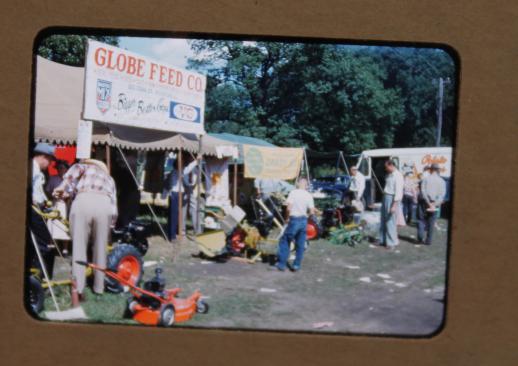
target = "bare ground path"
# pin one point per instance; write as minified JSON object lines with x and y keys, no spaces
{"x":362,"y":289}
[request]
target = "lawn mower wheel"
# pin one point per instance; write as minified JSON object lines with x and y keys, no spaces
{"x":167,"y":315}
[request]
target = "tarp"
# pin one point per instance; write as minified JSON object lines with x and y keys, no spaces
{"x":272,"y":162}
{"x":241,"y":141}
{"x":59,"y":98}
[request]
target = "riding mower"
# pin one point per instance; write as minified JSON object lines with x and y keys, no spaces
{"x":154,"y":304}
{"x":124,"y":258}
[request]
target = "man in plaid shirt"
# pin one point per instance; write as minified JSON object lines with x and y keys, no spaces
{"x":93,"y":211}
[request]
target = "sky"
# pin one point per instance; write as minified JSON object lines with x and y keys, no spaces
{"x":173,"y":51}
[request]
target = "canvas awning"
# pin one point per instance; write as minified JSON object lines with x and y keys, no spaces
{"x":241,"y":141}
{"x":59,"y":101}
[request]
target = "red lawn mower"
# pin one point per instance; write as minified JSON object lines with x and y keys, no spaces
{"x":154,"y":304}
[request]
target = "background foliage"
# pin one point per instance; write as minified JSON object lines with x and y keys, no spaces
{"x":326,"y":97}
{"x":322,"y":96}
{"x":69,"y":49}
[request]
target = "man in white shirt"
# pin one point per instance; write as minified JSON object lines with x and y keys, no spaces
{"x":300,"y":203}
{"x":357,"y":184}
{"x":392,"y":196}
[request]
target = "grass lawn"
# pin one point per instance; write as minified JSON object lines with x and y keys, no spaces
{"x":362,"y":289}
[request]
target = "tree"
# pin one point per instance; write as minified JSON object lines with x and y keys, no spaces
{"x":326,"y":97}
{"x":416,"y":71}
{"x":70,"y":49}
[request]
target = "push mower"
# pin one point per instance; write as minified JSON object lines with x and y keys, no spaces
{"x":124,"y":258}
{"x":154,"y":304}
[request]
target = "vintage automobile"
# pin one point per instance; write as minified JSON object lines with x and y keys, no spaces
{"x":336,"y":186}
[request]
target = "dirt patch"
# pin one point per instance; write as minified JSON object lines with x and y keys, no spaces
{"x":403,"y":294}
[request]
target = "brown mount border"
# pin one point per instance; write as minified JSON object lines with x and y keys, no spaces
{"x":481,"y":315}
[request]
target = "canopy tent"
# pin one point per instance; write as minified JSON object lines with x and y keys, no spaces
{"x":240,"y":141}
{"x":58,"y":109}
{"x":59,"y":102}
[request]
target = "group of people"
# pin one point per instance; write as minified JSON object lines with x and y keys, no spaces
{"x":400,"y":196}
{"x":90,"y":192}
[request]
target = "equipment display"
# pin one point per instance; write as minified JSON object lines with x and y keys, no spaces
{"x":154,"y":304}
{"x":124,"y":258}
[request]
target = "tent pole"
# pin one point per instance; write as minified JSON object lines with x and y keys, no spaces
{"x":345,"y":164}
{"x":337,"y":164}
{"x":235,"y":183}
{"x":180,"y":194}
{"x":148,"y":204}
{"x":108,"y":158}
{"x":307,"y":166}
{"x":197,"y":224}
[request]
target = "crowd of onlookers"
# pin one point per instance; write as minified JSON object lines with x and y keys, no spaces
{"x":406,"y":197}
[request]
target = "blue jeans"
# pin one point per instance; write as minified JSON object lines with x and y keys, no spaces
{"x":408,"y":208}
{"x":425,"y":223}
{"x":172,"y":222}
{"x":296,"y":231}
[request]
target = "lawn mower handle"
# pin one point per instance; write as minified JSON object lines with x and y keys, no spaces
{"x":123,"y":281}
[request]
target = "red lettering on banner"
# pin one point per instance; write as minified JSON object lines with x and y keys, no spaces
{"x":194,"y":82}
{"x":132,"y":65}
{"x":140,"y":67}
{"x":100,"y":56}
{"x":429,"y":159}
{"x":152,"y":70}
{"x":163,"y":72}
{"x":170,"y":80}
{"x":121,"y":62}
{"x":110,"y":65}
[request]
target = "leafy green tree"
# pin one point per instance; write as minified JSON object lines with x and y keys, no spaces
{"x":69,"y":49}
{"x":416,"y":72}
{"x":325,"y":97}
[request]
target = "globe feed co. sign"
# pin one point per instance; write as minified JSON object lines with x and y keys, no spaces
{"x":124,"y":88}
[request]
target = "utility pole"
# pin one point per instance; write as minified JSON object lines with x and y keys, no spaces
{"x":440,"y":98}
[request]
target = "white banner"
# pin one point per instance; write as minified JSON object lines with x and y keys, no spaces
{"x":124,"y":88}
{"x":84,"y":139}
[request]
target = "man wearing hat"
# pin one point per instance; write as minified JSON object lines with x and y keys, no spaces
{"x":92,"y":213}
{"x":431,"y":196}
{"x":43,"y":156}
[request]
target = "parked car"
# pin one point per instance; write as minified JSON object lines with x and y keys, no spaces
{"x":336,"y":186}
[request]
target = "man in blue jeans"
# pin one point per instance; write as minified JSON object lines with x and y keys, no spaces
{"x":300,"y":203}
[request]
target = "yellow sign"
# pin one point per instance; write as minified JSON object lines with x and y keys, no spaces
{"x":272,"y":162}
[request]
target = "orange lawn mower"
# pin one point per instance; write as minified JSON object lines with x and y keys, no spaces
{"x":154,"y":304}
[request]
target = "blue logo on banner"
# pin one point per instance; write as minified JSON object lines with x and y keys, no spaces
{"x":184,"y":112}
{"x":103,"y":95}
